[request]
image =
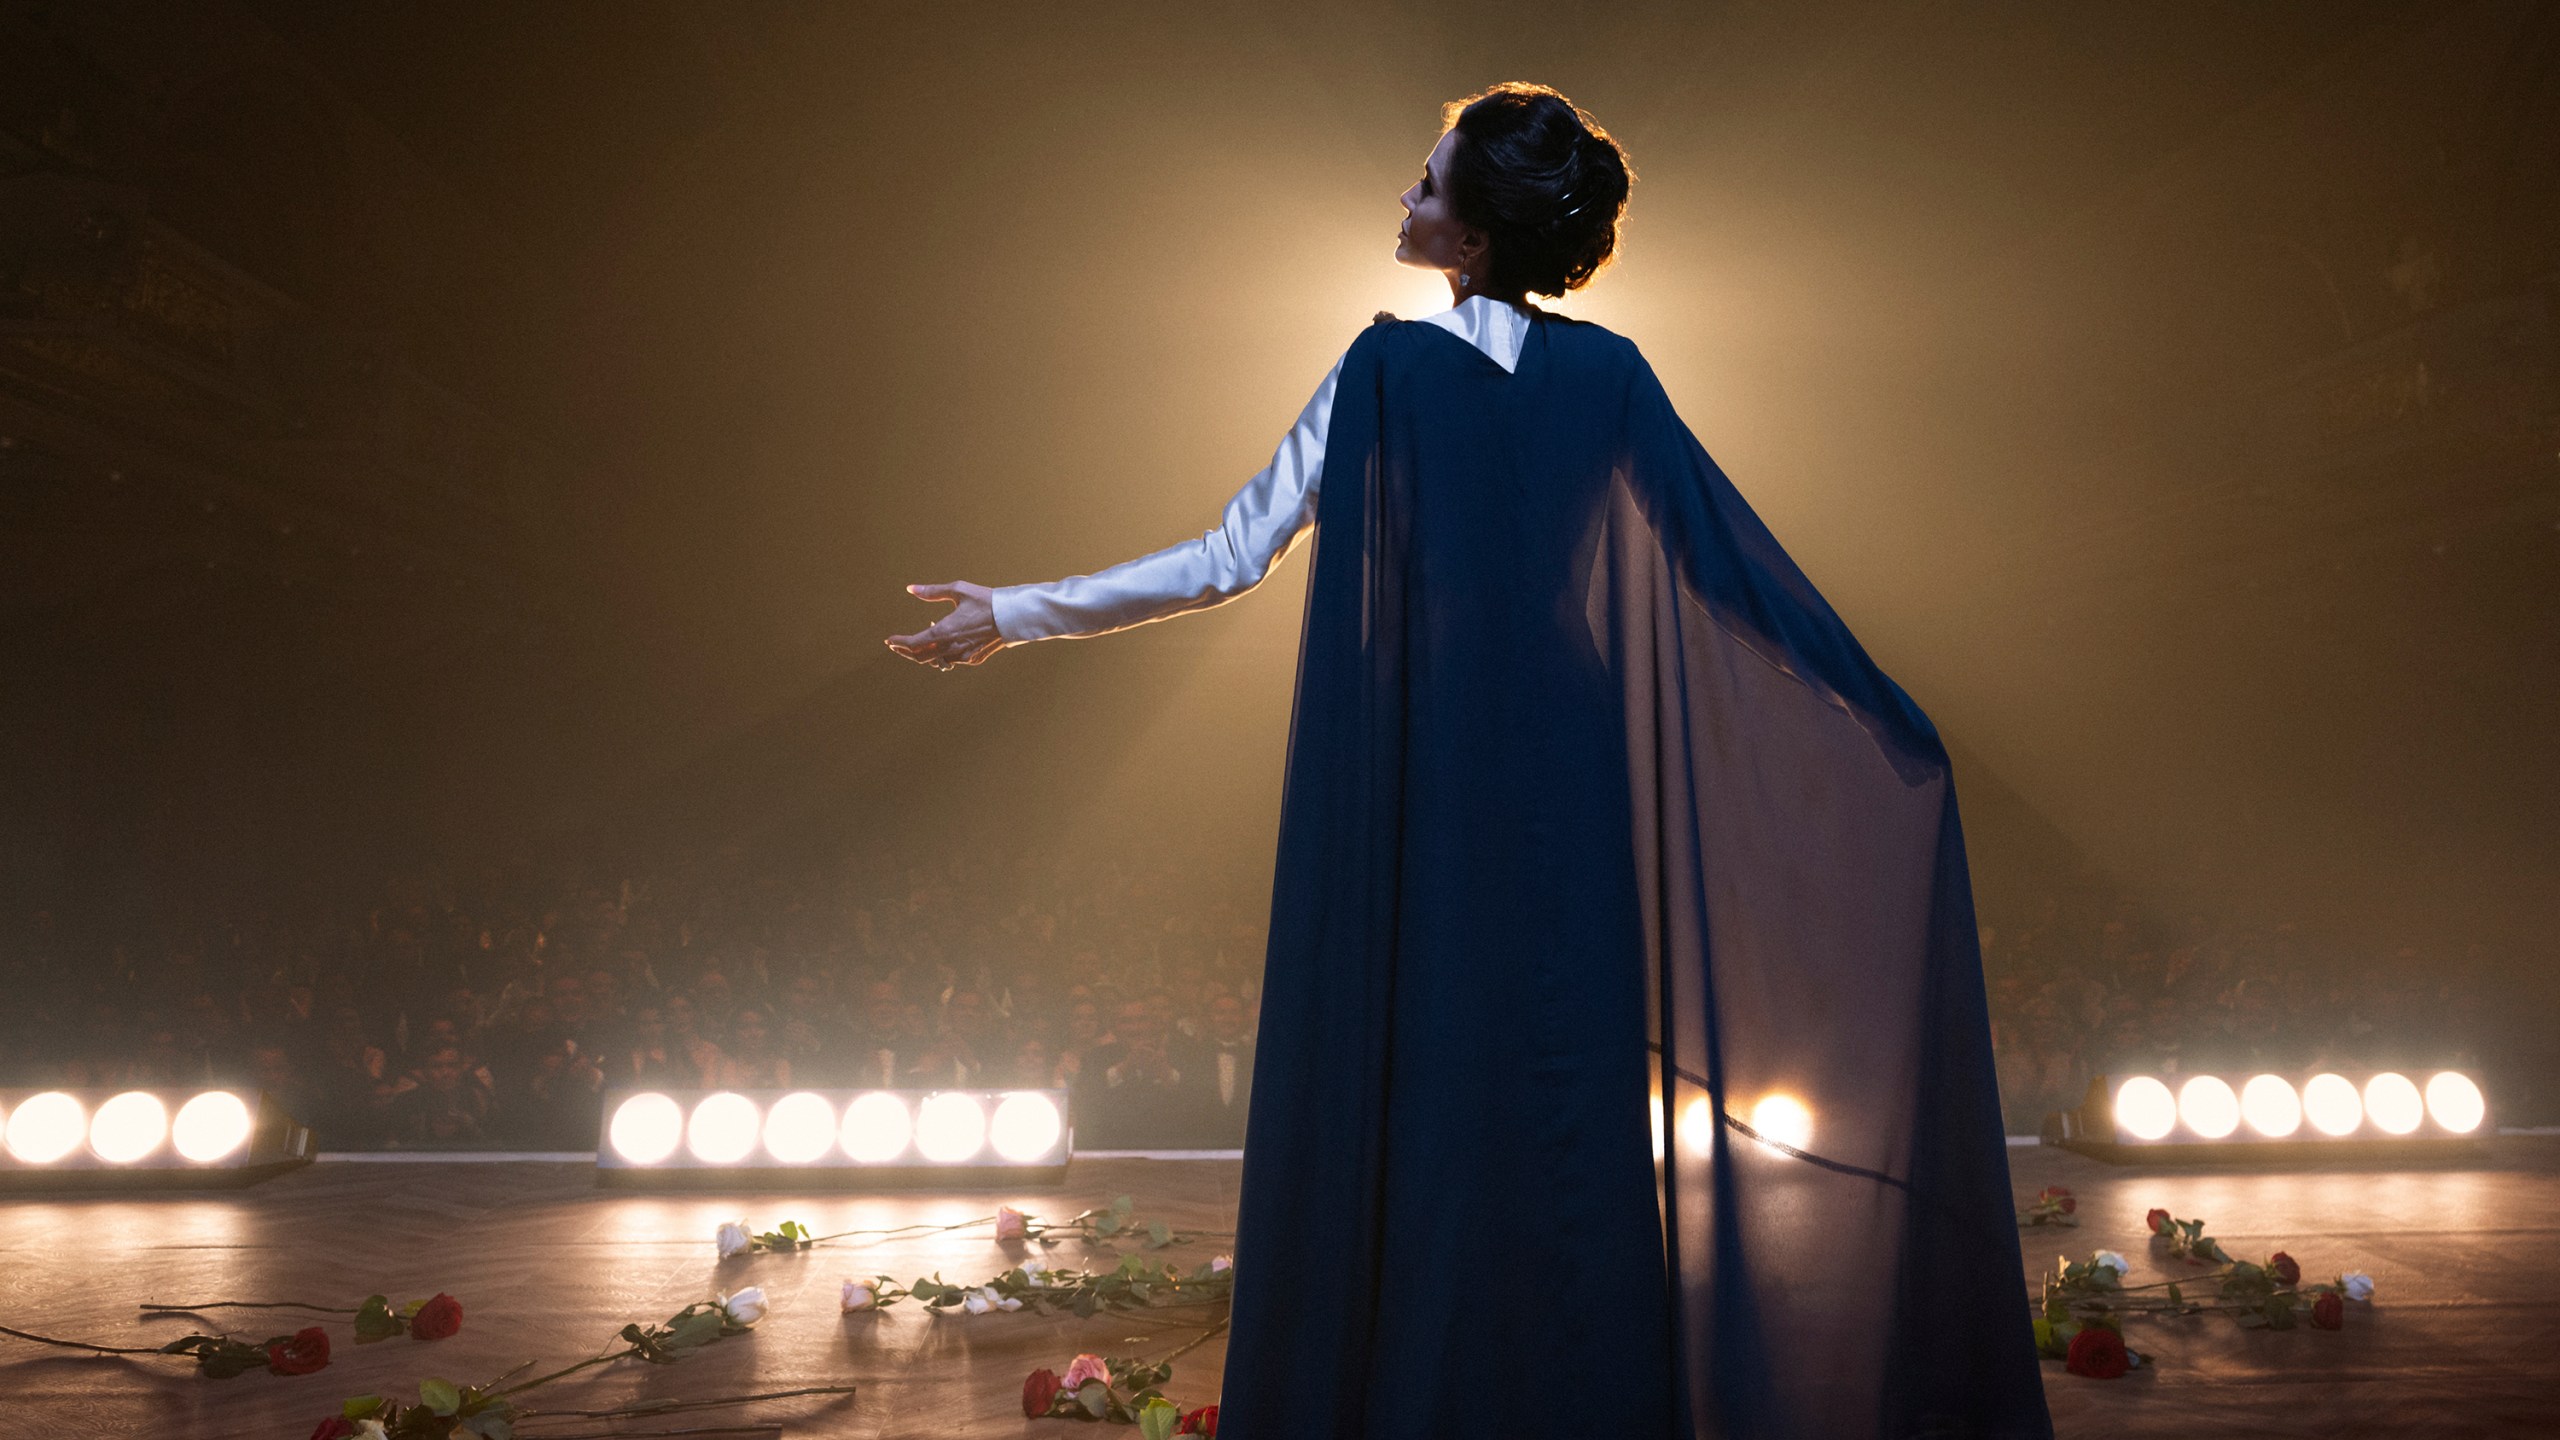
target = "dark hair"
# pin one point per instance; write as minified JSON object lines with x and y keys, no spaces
{"x":1542,"y":179}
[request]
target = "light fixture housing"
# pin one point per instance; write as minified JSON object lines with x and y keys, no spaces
{"x":2324,"y":1115}
{"x":875,"y":1138}
{"x":147,"y":1137}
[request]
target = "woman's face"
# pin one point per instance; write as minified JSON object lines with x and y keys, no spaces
{"x":1431,"y":236}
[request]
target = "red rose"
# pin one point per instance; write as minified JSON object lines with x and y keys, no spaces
{"x":305,"y":1352}
{"x":1203,"y":1421}
{"x":2286,"y":1269}
{"x":2060,"y":1197}
{"x":1038,"y":1389}
{"x":2329,"y":1313}
{"x":336,"y":1427}
{"x":2159,"y":1221}
{"x":2098,"y":1353}
{"x":437,"y":1319}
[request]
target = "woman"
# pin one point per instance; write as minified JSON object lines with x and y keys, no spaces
{"x":1594,"y":810}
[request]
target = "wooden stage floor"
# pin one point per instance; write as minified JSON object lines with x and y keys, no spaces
{"x":2463,"y":1338}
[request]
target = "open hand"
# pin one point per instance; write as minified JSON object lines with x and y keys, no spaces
{"x":966,"y":636}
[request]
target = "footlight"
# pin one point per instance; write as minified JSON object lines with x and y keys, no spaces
{"x":2271,"y":1117}
{"x":146,"y":1139}
{"x":833,"y":1139}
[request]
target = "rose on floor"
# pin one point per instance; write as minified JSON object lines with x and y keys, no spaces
{"x":2053,"y":1205}
{"x":2098,"y":1353}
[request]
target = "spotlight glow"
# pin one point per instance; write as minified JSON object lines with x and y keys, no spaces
{"x":1698,"y":1127}
{"x":1783,"y":1118}
{"x":877,"y":1128}
{"x":2392,"y":1100}
{"x":2145,"y":1109}
{"x":723,"y":1129}
{"x":2455,"y":1102}
{"x":1654,"y":1108}
{"x":46,"y":1127}
{"x":799,"y":1128}
{"x":2333,"y":1105}
{"x":128,"y":1127}
{"x":2206,"y":1103}
{"x":950,"y":1127}
{"x":1026,"y":1126}
{"x":210,"y":1126}
{"x":646,"y":1129}
{"x":2268,"y":1103}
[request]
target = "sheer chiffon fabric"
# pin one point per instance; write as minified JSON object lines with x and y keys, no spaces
{"x":1599,"y":830}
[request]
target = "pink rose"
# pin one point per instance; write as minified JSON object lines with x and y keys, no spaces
{"x":1009,"y":1223}
{"x":1087,"y":1367}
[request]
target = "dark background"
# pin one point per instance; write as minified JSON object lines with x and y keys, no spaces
{"x":444,"y":436}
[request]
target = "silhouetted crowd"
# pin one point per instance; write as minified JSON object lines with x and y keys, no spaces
{"x":2090,"y":986}
{"x":494,"y":1014}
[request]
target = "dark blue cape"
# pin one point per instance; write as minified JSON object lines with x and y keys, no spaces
{"x":1592,"y":800}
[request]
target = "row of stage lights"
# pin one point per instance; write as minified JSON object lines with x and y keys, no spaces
{"x":814,"y":1133}
{"x":162,"y":1136}
{"x":1781,"y":1118}
{"x":2206,"y":1117}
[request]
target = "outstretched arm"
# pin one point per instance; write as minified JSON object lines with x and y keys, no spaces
{"x":1261,"y":524}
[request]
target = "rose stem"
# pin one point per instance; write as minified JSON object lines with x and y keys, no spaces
{"x":85,"y":1345}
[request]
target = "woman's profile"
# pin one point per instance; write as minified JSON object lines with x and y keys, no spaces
{"x":1624,"y":1064}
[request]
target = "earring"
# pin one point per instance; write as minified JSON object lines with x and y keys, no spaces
{"x":1463,"y":277}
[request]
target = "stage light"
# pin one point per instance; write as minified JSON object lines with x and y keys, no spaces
{"x":877,"y":1128}
{"x":132,"y":1141}
{"x":2333,"y":1105}
{"x":2206,"y":1103}
{"x":799,"y":1128}
{"x":740,"y":1139}
{"x":2139,"y":1121}
{"x":1784,"y":1119}
{"x":950,"y":1127}
{"x":44,"y":1128}
{"x":128,"y":1127}
{"x":646,"y":1128}
{"x":2146,"y":1109}
{"x":2391,"y":1102}
{"x":1698,"y":1127}
{"x":2268,"y":1103}
{"x":211,"y":1126}
{"x":722,"y":1128}
{"x":2455,"y":1102}
{"x":1026,"y":1126}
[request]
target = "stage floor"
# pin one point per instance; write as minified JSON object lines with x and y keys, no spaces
{"x":2463,"y":1340}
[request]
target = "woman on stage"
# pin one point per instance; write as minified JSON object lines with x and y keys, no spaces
{"x":1624,"y":1067}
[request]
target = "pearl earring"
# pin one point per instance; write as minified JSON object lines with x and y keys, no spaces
{"x":1463,"y":277}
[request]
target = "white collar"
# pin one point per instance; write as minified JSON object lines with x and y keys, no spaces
{"x":1496,"y":327}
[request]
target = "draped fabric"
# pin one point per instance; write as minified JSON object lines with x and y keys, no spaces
{"x":1624,"y":1065}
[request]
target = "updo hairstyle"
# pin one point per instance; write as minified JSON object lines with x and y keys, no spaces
{"x":1543,"y":180}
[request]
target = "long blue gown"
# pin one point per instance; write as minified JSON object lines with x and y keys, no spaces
{"x":1624,"y":1067}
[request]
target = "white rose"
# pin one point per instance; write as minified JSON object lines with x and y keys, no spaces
{"x":2113,"y":1261}
{"x":1006,"y":1302}
{"x":746,"y":1307}
{"x":977,"y":1302}
{"x":370,"y":1430}
{"x":1035,"y":1272}
{"x":2357,"y":1284}
{"x":733,"y":1239}
{"x":859,"y":1295}
{"x":1218,"y":1264}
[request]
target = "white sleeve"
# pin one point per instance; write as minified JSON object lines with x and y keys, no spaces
{"x":1262,"y":523}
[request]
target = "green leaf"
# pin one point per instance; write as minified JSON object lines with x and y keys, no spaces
{"x":2176,"y":1296}
{"x":374,"y":1321}
{"x":2044,"y":1337}
{"x":361,"y":1407}
{"x":492,"y":1426}
{"x":1095,"y":1397}
{"x":1157,"y":1420}
{"x":440,"y":1396}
